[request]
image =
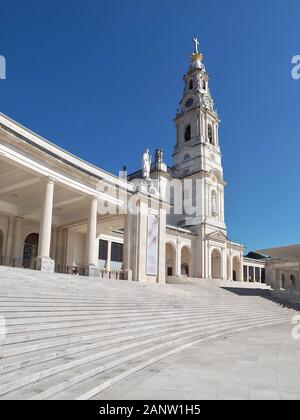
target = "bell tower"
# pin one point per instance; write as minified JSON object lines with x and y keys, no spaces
{"x":197,"y":153}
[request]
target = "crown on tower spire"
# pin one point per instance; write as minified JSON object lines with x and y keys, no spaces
{"x":196,"y":56}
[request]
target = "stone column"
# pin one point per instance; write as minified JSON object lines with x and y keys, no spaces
{"x":223,"y":264}
{"x":43,"y":261}
{"x":61,"y":245}
{"x":127,"y":268}
{"x":230,"y":267}
{"x":260,"y":274}
{"x":54,"y":244}
{"x":215,"y":135}
{"x":108,"y":260}
{"x":92,"y":260}
{"x":270,"y":274}
{"x":135,"y":239}
{"x":7,"y":245}
{"x":141,"y":240}
{"x":161,"y":278}
{"x":241,"y":269}
{"x":178,"y":261}
{"x":17,"y":242}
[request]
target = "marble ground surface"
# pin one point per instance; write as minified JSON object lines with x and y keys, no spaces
{"x":261,"y":363}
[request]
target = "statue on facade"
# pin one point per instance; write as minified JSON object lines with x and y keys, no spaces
{"x":159,"y":156}
{"x":146,"y":165}
{"x":214,"y":205}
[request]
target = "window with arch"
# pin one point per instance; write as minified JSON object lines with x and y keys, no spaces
{"x":210,"y":134}
{"x":186,"y":157}
{"x":204,"y":85}
{"x":188,"y":133}
{"x":191,"y":84}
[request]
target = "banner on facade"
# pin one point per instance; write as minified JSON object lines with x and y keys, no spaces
{"x":152,"y":246}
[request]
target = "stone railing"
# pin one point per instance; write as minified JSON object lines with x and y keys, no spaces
{"x":17,"y":262}
{"x":75,"y":270}
{"x":112,"y":274}
{"x":82,"y":270}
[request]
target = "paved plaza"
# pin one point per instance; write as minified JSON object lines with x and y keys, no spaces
{"x":261,"y":363}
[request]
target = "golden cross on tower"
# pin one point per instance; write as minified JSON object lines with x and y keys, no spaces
{"x":197,"y":43}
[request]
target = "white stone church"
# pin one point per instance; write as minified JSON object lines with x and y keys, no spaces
{"x":52,"y":205}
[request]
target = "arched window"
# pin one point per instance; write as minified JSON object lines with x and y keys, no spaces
{"x":204,"y":85}
{"x":191,"y":84}
{"x":210,"y":134}
{"x":188,"y":133}
{"x":186,"y":157}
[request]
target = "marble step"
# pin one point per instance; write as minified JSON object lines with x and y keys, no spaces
{"x":43,"y":325}
{"x":111,"y":323}
{"x":77,"y":370}
{"x":106,"y":301}
{"x":64,"y":348}
{"x":28,"y":312}
{"x":23,"y":305}
{"x":64,"y":339}
{"x":37,"y":322}
{"x":90,"y":388}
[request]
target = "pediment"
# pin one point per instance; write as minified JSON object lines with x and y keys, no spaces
{"x":217,"y":235}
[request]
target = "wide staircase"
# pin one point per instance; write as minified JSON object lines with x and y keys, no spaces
{"x":70,"y":337}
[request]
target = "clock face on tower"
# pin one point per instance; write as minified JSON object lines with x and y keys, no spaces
{"x":189,"y":103}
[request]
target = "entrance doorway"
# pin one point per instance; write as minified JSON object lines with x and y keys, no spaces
{"x":30,"y":249}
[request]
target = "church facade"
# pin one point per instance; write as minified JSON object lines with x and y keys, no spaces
{"x":59,"y":213}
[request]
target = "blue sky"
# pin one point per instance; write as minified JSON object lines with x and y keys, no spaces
{"x":102,"y":78}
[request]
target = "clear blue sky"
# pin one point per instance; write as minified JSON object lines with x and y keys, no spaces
{"x":102,"y":78}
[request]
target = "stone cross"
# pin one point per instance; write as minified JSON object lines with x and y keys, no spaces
{"x":197,"y":43}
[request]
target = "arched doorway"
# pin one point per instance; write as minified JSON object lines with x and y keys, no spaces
{"x":216,"y":264}
{"x":30,"y":249}
{"x":170,"y":260}
{"x":185,"y":262}
{"x":1,"y":244}
{"x":236,"y":267}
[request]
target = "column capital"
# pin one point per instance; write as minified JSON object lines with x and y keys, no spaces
{"x":49,"y":180}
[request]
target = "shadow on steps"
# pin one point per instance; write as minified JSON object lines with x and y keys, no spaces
{"x":270,"y":295}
